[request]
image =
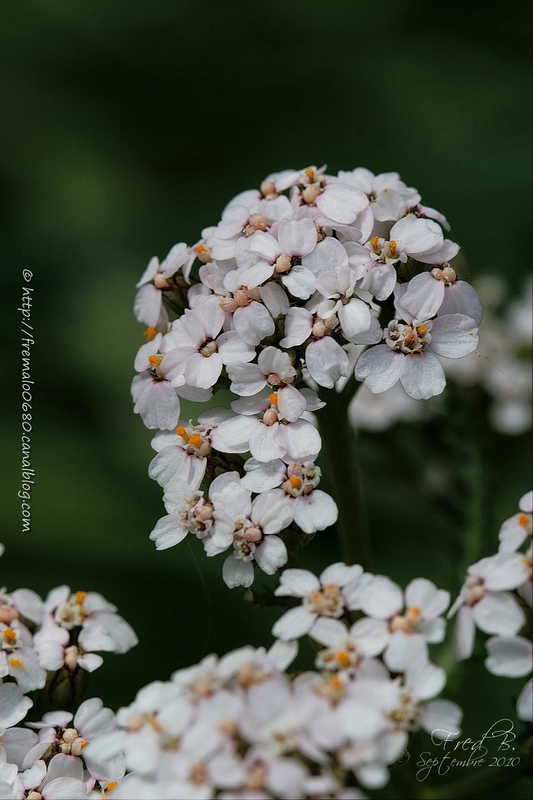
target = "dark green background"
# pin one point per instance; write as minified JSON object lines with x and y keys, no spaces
{"x":127,"y":127}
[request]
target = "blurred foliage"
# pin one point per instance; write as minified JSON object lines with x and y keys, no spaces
{"x":127,"y":127}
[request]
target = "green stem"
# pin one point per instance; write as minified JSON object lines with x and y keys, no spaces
{"x":340,"y":451}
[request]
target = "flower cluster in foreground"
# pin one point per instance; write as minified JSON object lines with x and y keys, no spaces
{"x":292,"y":278}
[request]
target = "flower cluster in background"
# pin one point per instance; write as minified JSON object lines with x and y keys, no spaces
{"x":293,"y":279}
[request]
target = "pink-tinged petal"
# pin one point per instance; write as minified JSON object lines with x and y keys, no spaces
{"x":174,"y":362}
{"x":256,"y":274}
{"x":424,"y":594}
{"x":442,"y":719}
{"x":445,"y":254}
{"x":381,"y":598}
{"x":168,"y":532}
{"x":265,"y":444}
{"x":404,"y":651}
{"x":149,"y":273}
{"x":272,"y":511}
{"x":271,"y":554}
{"x":422,"y":376}
{"x":453,"y":335}
{"x":189,"y":330}
{"x":341,"y":203}
{"x":524,"y":704}
{"x":297,"y":583}
{"x":300,"y":282}
{"x":260,"y":476}
{"x":417,"y":236}
{"x":207,"y":309}
{"x":232,"y":348}
{"x":170,"y":462}
{"x":390,"y":204}
{"x":327,"y":255}
{"x":147,"y":305}
{"x":253,"y":323}
{"x":159,"y":405}
{"x":355,"y":318}
{"x":462,"y":298}
{"x":291,"y":403}
{"x":235,"y":498}
{"x":380,"y":281}
{"x":203,"y":372}
{"x":246,"y":379}
{"x":379,"y":368}
{"x":301,"y":440}
{"x":499,"y":612}
{"x":65,"y":789}
{"x":315,"y":511}
{"x":298,"y":326}
{"x":265,"y":245}
{"x":510,"y":656}
{"x":424,"y":296}
{"x":294,"y":623}
{"x":297,"y":237}
{"x":275,"y":299}
{"x":233,"y":435}
{"x":326,"y":361}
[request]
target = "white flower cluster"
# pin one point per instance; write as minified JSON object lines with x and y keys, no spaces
{"x":501,"y":367}
{"x":240,"y":727}
{"x":292,"y":278}
{"x":492,"y":598}
{"x":47,"y":760}
{"x":66,"y":630}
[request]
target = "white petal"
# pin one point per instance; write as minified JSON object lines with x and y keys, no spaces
{"x":464,"y":633}
{"x":315,"y":511}
{"x":327,"y":255}
{"x":159,"y":406}
{"x":275,"y":299}
{"x":203,"y":372}
{"x":453,"y":335}
{"x":253,"y":323}
{"x":327,"y":361}
{"x":294,"y":623}
{"x":329,"y":632}
{"x":300,"y":282}
{"x":355,"y":318}
{"x":424,"y":296}
{"x":379,"y":368}
{"x":341,"y":203}
{"x":510,"y":656}
{"x":233,"y":435}
{"x":232,"y":348}
{"x":265,"y":442}
{"x":262,"y":476}
{"x":271,"y":554}
{"x":272,"y":510}
{"x":462,"y":298}
{"x":300,"y":439}
{"x":524,"y":703}
{"x":381,"y":598}
{"x":297,"y":583}
{"x":422,"y":376}
{"x":291,"y":403}
{"x":404,"y":650}
{"x":168,"y":532}
{"x":148,"y":305}
{"x":442,"y":719}
{"x":237,"y":572}
{"x":499,"y":612}
{"x":297,"y":237}
{"x":340,"y":574}
{"x":298,"y":325}
{"x":247,"y":379}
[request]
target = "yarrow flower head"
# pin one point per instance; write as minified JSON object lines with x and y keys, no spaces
{"x":270,"y":304}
